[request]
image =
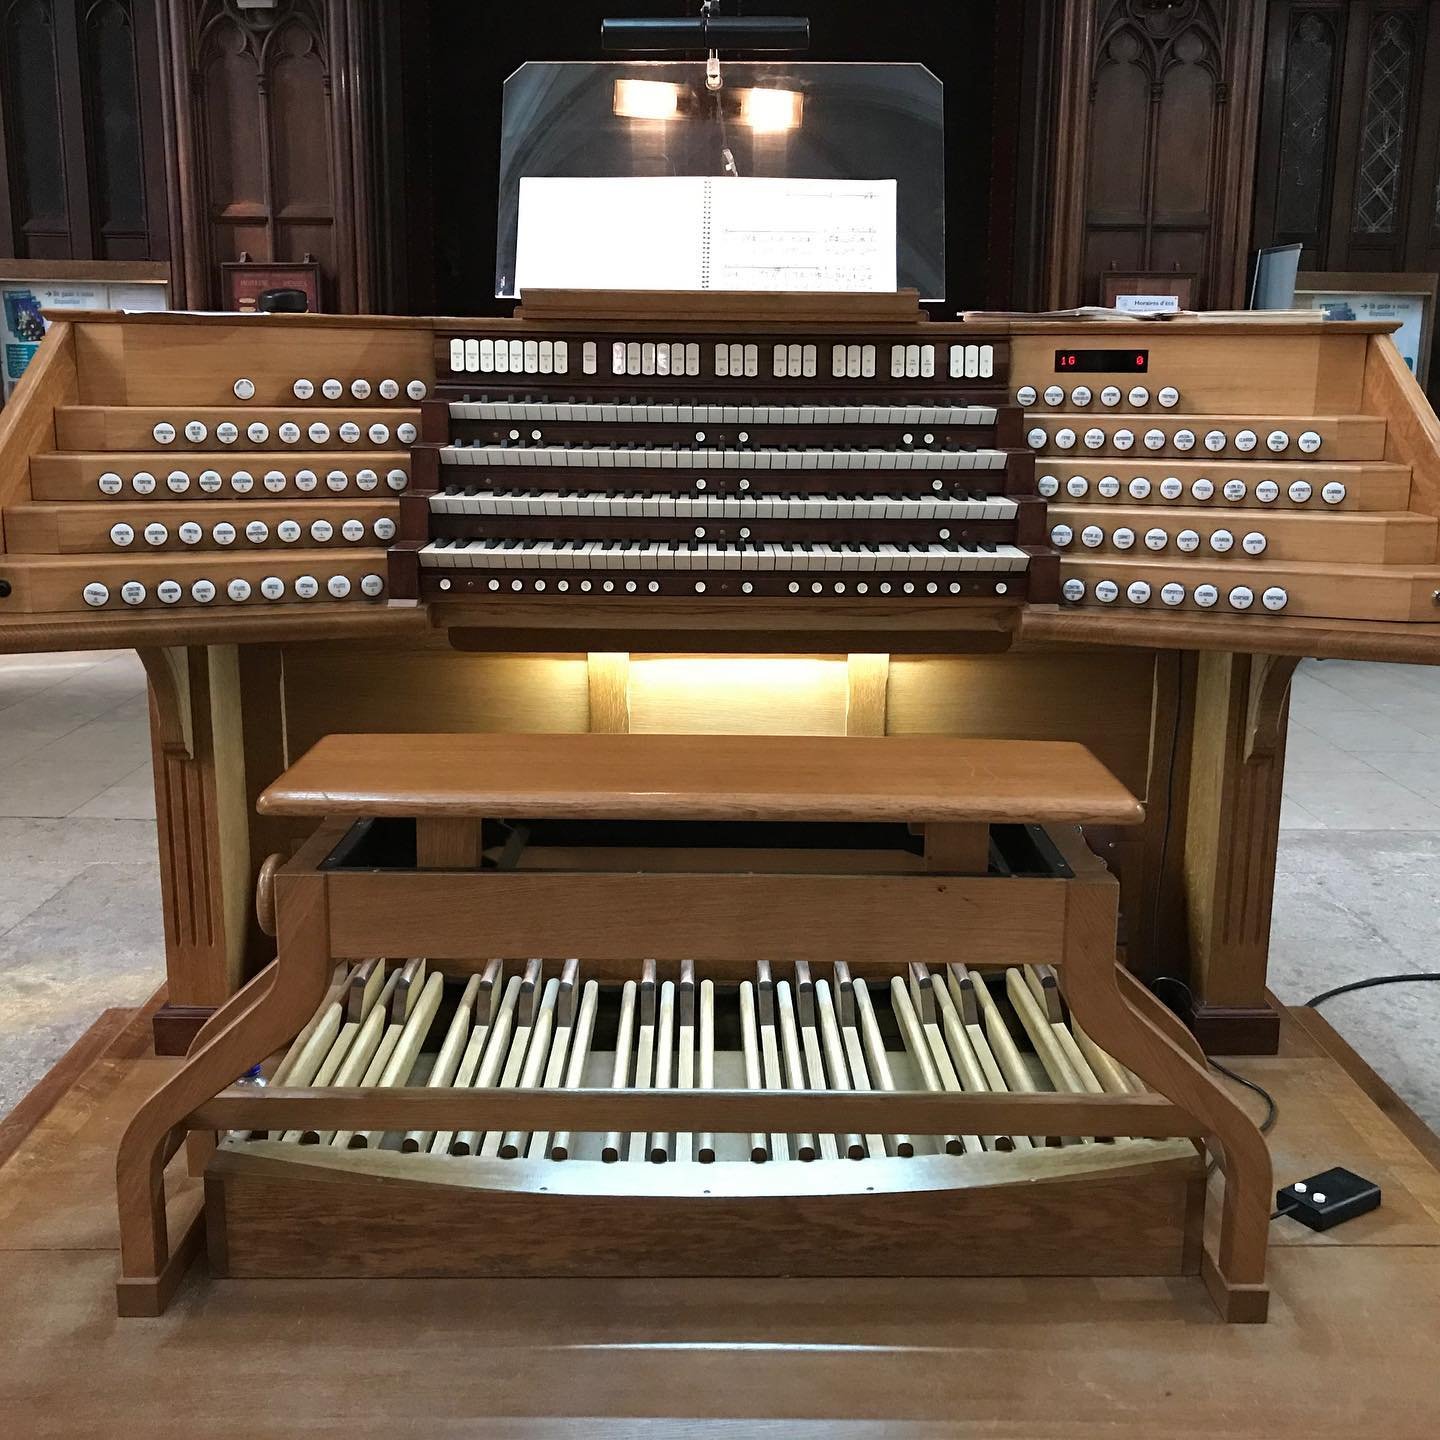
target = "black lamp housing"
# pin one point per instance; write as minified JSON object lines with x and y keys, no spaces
{"x":707,"y":32}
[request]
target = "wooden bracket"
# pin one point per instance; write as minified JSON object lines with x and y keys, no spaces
{"x":1270,"y":677}
{"x":168,"y":670}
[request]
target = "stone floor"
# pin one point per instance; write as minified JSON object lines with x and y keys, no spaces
{"x":1358,"y":890}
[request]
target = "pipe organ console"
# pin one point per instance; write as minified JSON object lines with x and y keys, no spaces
{"x":408,"y":524}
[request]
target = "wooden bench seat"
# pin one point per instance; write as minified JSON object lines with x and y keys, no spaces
{"x":916,"y":779}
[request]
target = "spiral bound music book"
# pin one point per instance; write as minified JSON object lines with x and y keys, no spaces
{"x":695,"y":232}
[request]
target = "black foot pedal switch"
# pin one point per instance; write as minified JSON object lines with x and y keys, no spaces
{"x":1327,"y":1199}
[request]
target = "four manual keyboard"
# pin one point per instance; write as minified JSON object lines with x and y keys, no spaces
{"x":700,"y":485}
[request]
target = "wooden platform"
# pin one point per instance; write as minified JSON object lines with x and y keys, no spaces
{"x":1350,"y":1347}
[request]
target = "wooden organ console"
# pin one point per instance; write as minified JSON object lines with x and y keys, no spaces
{"x":775,"y":515}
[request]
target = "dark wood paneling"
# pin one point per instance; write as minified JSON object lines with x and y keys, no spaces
{"x":82,"y":169}
{"x":1349,"y":153}
{"x":268,"y":111}
{"x":1154,"y":141}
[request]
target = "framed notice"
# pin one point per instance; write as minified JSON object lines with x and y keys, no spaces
{"x":31,"y":288}
{"x":1407,"y":300}
{"x":243,"y":281}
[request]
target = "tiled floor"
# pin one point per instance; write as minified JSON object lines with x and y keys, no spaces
{"x":80,"y":922}
{"x":1358,"y":889}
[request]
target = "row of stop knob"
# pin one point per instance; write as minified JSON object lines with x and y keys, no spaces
{"x":1206,"y":596}
{"x":1156,"y":538}
{"x":1077,"y":487}
{"x":1276,"y":441}
{"x":202,"y":592}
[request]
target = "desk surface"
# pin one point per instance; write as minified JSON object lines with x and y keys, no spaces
{"x":914,"y":779}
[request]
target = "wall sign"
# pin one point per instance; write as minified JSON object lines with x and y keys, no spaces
{"x":28,"y":289}
{"x":1408,"y":300}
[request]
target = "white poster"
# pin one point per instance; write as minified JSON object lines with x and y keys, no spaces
{"x":705,"y":233}
{"x":22,"y":326}
{"x":1408,"y":310}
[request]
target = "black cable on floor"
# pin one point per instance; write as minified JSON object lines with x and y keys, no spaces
{"x":1325,"y":995}
{"x":1272,"y":1109}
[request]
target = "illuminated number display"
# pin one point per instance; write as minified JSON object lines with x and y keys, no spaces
{"x":1102,"y":362}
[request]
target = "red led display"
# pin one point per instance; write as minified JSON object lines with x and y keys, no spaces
{"x":1103,"y":362}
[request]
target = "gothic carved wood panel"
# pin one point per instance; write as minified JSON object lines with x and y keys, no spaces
{"x":262,"y":104}
{"x":1155,"y":145}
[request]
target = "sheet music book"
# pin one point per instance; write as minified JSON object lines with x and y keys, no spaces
{"x":696,"y":232}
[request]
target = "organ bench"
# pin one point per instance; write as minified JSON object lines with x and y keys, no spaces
{"x":460,"y":1119}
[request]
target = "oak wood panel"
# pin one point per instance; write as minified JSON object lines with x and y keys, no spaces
{"x":111,"y":630}
{"x":1413,"y":436}
{"x":739,"y":695}
{"x":27,"y":423}
{"x":607,"y":675}
{"x":420,"y":681}
{"x":1295,"y":367}
{"x":1232,"y":825}
{"x":1101,"y":699}
{"x":867,"y":694}
{"x":1413,"y":643}
{"x":910,"y":778}
{"x":1113,"y":1210}
{"x":712,"y":917}
{"x":200,"y":809}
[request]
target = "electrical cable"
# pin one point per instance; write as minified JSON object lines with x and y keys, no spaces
{"x":1272,"y":1108}
{"x":1367,"y":984}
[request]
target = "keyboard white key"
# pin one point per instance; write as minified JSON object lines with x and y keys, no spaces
{"x":598,"y":411}
{"x":834,"y":506}
{"x":752,"y":458}
{"x":512,"y":554}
